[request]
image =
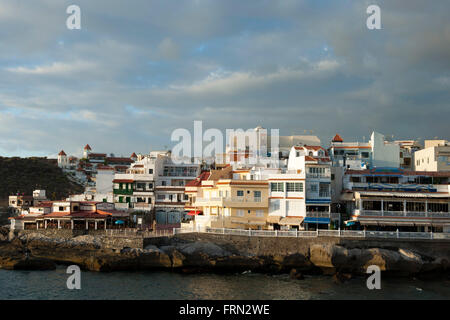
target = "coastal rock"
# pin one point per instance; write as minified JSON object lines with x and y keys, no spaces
{"x":4,"y":234}
{"x":295,"y":274}
{"x":206,"y":248}
{"x":34,"y":264}
{"x":339,"y":277}
{"x":296,"y":260}
{"x":86,"y":240}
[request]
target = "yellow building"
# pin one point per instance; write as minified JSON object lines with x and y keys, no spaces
{"x":228,"y":199}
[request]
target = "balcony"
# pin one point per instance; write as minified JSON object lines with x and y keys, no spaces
{"x":127,"y":192}
{"x":317,"y":214}
{"x":410,"y":214}
{"x":318,"y":175}
{"x":232,"y":202}
{"x":142,"y":206}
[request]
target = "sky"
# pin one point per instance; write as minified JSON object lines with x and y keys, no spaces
{"x":137,"y":70}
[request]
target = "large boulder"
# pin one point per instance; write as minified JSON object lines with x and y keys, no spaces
{"x":206,"y":248}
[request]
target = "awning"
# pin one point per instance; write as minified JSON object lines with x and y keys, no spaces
{"x":317,"y":220}
{"x":273,"y":219}
{"x":291,"y":221}
{"x":349,"y":223}
{"x":194,"y":213}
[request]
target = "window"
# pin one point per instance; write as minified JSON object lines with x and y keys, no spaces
{"x":277,"y":186}
{"x":257,"y":194}
{"x":364,"y":154}
{"x":415,"y":206}
{"x":61,"y":209}
{"x":161,"y":197}
{"x":240,"y":193}
{"x":437,"y":207}
{"x":313,"y":188}
{"x":294,"y":187}
{"x":240,"y":213}
{"x":163,"y":183}
{"x":260,"y":213}
{"x":150,"y":171}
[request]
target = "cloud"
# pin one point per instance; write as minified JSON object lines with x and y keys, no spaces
{"x":133,"y":74}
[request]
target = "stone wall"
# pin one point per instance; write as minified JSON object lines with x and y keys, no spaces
{"x":267,"y":246}
{"x":63,"y":233}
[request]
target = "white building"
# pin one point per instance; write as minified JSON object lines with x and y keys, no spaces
{"x":287,"y":205}
{"x":362,"y":155}
{"x":315,"y":163}
{"x":434,"y":157}
{"x":63,"y":160}
{"x":246,"y":149}
{"x":155,"y":183}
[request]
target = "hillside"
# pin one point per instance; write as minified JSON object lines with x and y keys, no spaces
{"x":27,"y":174}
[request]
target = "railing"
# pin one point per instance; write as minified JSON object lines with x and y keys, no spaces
{"x":403,"y":214}
{"x":136,"y":233}
{"x":123,"y":191}
{"x":318,"y":233}
{"x":317,"y":214}
{"x":318,"y":175}
{"x":230,"y":199}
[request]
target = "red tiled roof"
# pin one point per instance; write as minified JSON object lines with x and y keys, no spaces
{"x":118,"y":160}
{"x":62,"y":153}
{"x":87,"y":147}
{"x":198,"y":181}
{"x":103,"y":167}
{"x":87,"y":214}
{"x":133,"y":155}
{"x":123,"y":181}
{"x":337,"y":138}
{"x":44,"y":205}
{"x":57,"y":214}
{"x":101,"y":155}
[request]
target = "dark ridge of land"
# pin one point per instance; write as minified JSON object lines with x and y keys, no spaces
{"x":27,"y":174}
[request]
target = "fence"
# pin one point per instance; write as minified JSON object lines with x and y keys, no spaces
{"x":136,"y":233}
{"x":319,"y":233}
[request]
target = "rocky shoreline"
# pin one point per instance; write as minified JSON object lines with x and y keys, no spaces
{"x":195,"y":253}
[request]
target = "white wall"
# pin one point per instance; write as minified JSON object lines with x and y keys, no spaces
{"x":104,"y":181}
{"x":384,"y":154}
